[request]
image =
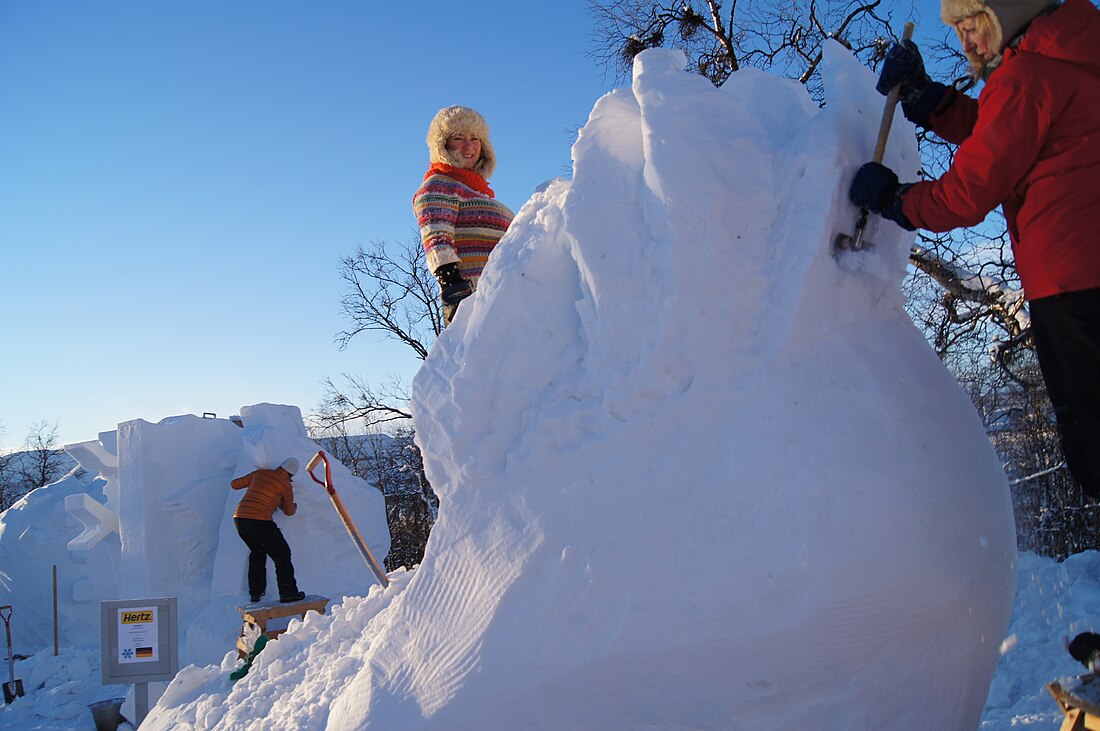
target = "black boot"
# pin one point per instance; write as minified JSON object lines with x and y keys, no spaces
{"x":453,"y":287}
{"x":1085,"y":649}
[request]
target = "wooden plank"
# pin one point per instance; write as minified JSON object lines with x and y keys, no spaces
{"x":1081,"y":715}
{"x":260,"y":614}
{"x":257,"y":614}
{"x":1067,"y":700}
{"x":309,"y":599}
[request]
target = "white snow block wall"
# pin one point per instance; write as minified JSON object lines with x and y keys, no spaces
{"x":326,"y":561}
{"x":695,"y":469}
{"x":173,"y":487}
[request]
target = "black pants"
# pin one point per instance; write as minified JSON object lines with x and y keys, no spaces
{"x":1066,"y":329}
{"x":264,"y":539}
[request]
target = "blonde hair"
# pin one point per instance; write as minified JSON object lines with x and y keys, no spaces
{"x":999,"y":22}
{"x":986,"y":25}
{"x":451,"y":121}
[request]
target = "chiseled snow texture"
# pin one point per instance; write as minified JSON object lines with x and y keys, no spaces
{"x":696,"y":472}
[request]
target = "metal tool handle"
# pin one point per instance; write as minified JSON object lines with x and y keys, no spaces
{"x":855,"y":242}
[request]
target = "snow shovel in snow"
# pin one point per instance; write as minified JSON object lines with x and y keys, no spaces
{"x":352,"y":530}
{"x":13,"y":688}
{"x":856,"y":242}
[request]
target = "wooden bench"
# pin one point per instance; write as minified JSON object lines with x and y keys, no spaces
{"x":1081,"y":714}
{"x":259,"y":614}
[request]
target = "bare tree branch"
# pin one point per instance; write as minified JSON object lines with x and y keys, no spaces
{"x":389,"y":290}
{"x":785,"y":36}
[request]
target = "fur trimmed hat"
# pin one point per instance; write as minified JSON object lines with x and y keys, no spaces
{"x":1007,"y":17}
{"x":457,"y":120}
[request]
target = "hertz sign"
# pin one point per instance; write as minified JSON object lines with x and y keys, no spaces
{"x":139,"y":644}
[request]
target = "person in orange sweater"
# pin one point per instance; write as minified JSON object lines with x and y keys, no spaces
{"x":266,"y":491}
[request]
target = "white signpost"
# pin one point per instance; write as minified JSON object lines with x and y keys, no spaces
{"x":140,"y":645}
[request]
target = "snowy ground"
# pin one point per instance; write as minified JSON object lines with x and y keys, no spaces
{"x":1053,"y":600}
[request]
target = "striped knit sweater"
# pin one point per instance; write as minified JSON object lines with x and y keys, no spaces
{"x":459,"y":223}
{"x":267,"y":490}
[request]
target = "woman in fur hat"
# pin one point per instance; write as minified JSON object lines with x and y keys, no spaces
{"x":1031,"y":144}
{"x":460,"y":219}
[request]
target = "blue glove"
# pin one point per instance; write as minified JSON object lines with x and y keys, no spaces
{"x":875,"y":187}
{"x":919,"y":95}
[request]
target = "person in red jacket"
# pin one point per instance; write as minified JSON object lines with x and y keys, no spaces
{"x":1029,"y":143}
{"x":267,"y":490}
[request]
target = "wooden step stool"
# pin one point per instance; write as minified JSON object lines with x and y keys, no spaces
{"x":1081,"y":714}
{"x":259,"y":614}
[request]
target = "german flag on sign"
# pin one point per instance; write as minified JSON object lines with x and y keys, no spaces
{"x":143,"y":651}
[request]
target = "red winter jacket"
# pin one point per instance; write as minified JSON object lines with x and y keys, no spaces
{"x":1030,"y":143}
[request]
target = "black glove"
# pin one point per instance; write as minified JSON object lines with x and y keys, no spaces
{"x":876,"y":188}
{"x":919,"y":95}
{"x":453,"y":287}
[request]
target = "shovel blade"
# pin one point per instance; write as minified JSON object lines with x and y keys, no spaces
{"x":12,"y":690}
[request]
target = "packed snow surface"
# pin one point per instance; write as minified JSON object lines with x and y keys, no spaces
{"x":1054,"y":600}
{"x":697,"y":470}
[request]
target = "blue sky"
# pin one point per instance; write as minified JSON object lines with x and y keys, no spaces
{"x":181,"y":179}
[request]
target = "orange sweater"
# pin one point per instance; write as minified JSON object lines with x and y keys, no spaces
{"x":267,"y":490}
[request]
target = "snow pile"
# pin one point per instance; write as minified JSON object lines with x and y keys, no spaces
{"x":696,"y":471}
{"x":33,"y":537}
{"x":1054,"y":599}
{"x":1054,"y":602}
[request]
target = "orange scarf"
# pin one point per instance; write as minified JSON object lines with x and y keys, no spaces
{"x":467,"y":177}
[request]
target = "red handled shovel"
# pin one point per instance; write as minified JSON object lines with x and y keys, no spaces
{"x":352,"y":530}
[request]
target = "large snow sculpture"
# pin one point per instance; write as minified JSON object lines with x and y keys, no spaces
{"x":695,"y":469}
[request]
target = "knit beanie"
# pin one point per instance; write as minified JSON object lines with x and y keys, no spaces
{"x":290,"y":465}
{"x":460,"y":120}
{"x":1008,"y":17}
